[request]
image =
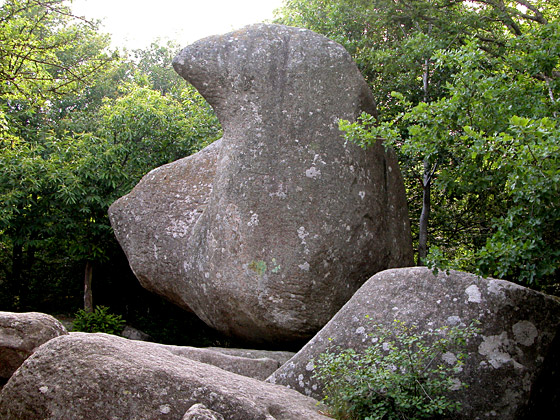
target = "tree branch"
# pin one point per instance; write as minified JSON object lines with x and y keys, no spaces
{"x":538,"y":16}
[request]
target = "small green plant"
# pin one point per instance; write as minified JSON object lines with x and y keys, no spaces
{"x":100,"y":320}
{"x":258,"y":267}
{"x":405,"y":374}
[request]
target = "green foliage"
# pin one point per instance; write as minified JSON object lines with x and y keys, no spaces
{"x":154,"y":128}
{"x":258,"y":267}
{"x":488,"y":147}
{"x":405,"y":374}
{"x":79,"y":127}
{"x":100,"y":320}
{"x":45,"y":50}
{"x":154,"y":63}
{"x":495,"y":138}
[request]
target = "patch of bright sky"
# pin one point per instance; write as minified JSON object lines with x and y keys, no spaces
{"x":136,"y":23}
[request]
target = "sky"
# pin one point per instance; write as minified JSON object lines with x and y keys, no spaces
{"x":136,"y":23}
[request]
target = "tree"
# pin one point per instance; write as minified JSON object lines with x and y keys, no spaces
{"x":154,"y":63}
{"x":391,"y":41}
{"x":79,"y":127}
{"x":56,"y":192}
{"x":46,"y":50}
{"x":495,"y":139}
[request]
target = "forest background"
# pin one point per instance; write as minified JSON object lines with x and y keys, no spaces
{"x":467,"y":94}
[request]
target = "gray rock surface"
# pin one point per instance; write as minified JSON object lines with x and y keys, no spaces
{"x":135,"y":334}
{"x":200,"y":412}
{"x":97,"y":376}
{"x":280,"y":356}
{"x":153,"y":222}
{"x":512,"y":366}
{"x":266,"y":234}
{"x":21,"y":334}
{"x":254,"y":367}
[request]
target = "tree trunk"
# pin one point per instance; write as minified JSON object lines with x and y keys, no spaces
{"x":426,"y":74}
{"x":426,"y":79}
{"x":15,"y":283}
{"x":88,"y":296}
{"x":426,"y":179}
{"x":425,"y":215}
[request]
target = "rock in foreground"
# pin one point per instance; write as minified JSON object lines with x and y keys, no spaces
{"x":21,"y":334}
{"x":513,"y":364}
{"x":97,"y":376}
{"x":267,"y":233}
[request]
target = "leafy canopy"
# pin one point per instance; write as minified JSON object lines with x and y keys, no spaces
{"x":79,"y":127}
{"x":494,"y":139}
{"x":45,"y":49}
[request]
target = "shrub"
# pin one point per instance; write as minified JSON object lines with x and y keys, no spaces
{"x":404,"y":374}
{"x":100,"y":320}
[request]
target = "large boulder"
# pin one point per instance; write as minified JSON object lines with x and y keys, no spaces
{"x":512,"y":367}
{"x":268,"y":232}
{"x":98,"y":376}
{"x":20,"y":335}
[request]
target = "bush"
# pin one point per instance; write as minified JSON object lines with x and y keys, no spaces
{"x":405,"y":374}
{"x":100,"y":320}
